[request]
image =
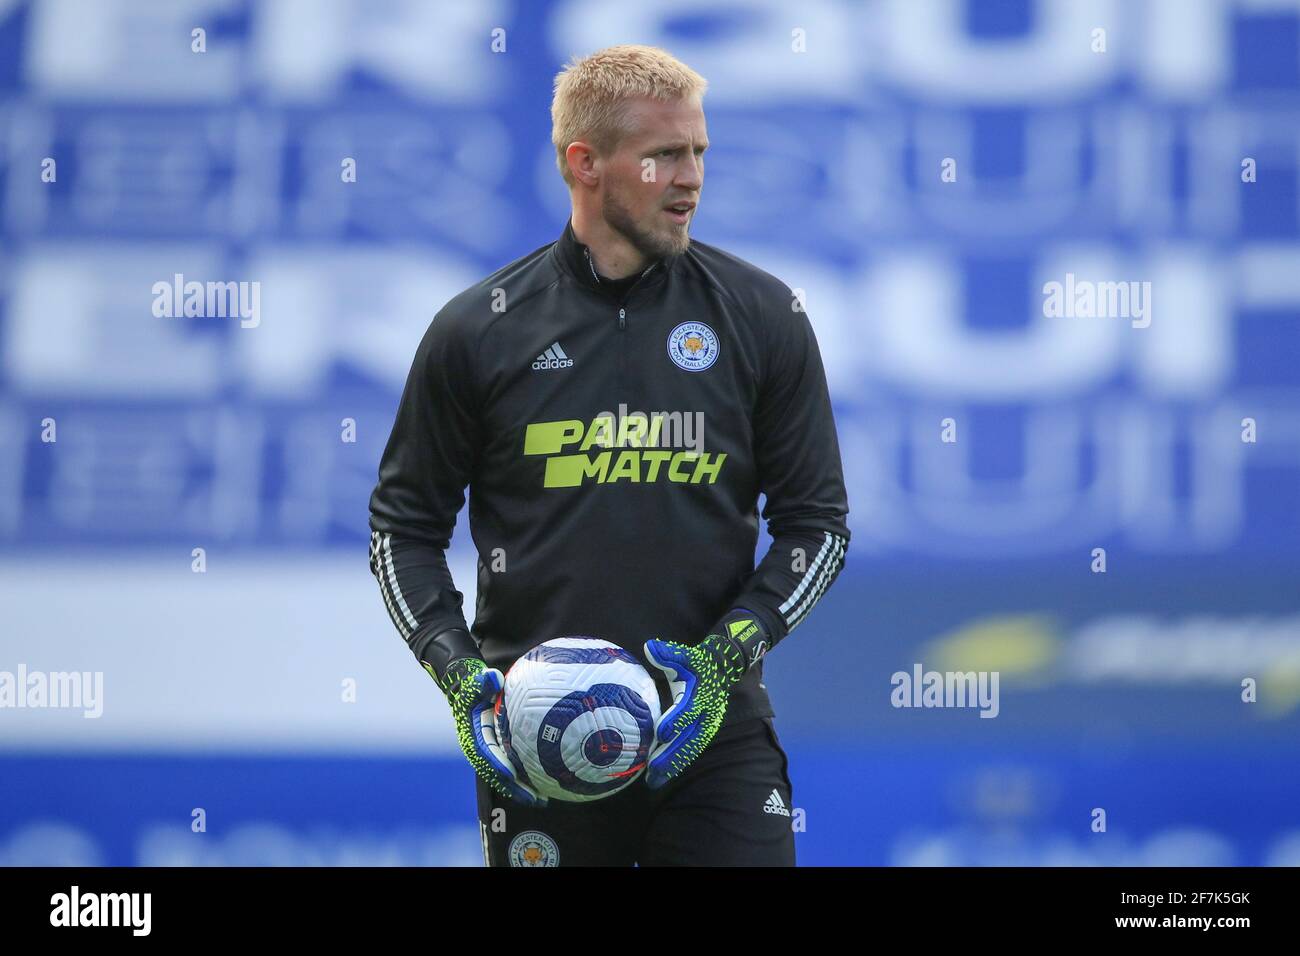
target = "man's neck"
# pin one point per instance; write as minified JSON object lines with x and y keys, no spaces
{"x":613,"y":256}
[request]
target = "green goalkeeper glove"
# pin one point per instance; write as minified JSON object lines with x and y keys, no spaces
{"x":472,"y":688}
{"x":702,"y":678}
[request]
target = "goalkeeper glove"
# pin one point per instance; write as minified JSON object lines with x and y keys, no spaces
{"x":471,"y":688}
{"x":701,"y":679}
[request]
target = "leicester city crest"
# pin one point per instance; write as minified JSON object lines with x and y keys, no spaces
{"x":693,"y":346}
{"x":533,"y":848}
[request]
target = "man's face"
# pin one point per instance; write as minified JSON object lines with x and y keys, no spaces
{"x":659,"y":164}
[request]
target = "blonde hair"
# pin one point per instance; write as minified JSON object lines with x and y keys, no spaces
{"x":591,"y":91}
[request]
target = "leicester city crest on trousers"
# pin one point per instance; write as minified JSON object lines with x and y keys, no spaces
{"x":693,"y":346}
{"x":533,"y":848}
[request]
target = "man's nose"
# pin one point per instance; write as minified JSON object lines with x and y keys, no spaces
{"x":690,"y":174}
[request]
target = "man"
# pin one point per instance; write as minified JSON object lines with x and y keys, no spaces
{"x":548,"y":389}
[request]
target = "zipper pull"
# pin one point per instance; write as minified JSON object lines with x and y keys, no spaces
{"x":622,"y":319}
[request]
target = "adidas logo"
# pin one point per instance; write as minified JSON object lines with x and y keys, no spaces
{"x":775,"y":805}
{"x":553,"y":357}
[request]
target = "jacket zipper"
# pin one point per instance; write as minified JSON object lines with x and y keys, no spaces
{"x":622,"y":312}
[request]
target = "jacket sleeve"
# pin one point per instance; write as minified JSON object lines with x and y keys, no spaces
{"x":799,"y":470}
{"x":426,"y":465}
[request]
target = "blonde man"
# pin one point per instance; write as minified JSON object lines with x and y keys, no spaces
{"x":610,"y":538}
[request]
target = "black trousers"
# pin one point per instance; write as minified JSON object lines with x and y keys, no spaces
{"x":732,"y":807}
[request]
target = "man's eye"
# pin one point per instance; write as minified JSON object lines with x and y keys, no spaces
{"x":667,"y":152}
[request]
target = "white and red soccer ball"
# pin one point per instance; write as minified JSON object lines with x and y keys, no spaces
{"x":577,"y":717}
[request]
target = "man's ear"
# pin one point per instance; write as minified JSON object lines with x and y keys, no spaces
{"x":582,"y":163}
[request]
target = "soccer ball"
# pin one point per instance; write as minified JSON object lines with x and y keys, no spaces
{"x":577,"y":717}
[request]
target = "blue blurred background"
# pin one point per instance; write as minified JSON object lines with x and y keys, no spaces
{"x":272,"y":692}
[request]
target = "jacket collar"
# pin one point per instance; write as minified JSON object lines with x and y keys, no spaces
{"x":576,"y":259}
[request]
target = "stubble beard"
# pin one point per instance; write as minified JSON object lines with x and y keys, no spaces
{"x":650,"y":243}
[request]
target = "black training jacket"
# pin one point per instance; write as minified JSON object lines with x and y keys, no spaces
{"x":598,"y":504}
